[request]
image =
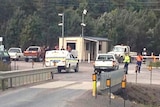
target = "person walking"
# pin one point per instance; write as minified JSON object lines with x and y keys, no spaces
{"x":139,"y":59}
{"x":126,"y":62}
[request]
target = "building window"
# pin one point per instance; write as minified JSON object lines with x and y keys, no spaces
{"x":87,"y":46}
{"x":72,"y":45}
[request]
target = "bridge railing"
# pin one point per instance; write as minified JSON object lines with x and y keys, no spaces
{"x":9,"y":79}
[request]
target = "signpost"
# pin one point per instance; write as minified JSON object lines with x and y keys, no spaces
{"x":150,"y":69}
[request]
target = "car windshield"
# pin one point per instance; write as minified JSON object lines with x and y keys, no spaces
{"x":14,"y":50}
{"x":118,"y":49}
{"x":105,"y":57}
{"x":33,"y":49}
{"x":3,"y":53}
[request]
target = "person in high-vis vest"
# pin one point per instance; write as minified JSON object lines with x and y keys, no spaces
{"x":139,"y":59}
{"x":126,"y":62}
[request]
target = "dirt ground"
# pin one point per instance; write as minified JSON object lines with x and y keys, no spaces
{"x":135,"y":95}
{"x":143,"y":94}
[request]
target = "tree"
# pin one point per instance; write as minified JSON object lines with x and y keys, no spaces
{"x":32,"y":32}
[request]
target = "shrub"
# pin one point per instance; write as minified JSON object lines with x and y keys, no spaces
{"x":155,"y":64}
{"x":4,"y":66}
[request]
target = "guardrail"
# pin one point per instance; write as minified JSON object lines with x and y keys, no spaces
{"x":116,"y":78}
{"x":22,"y":77}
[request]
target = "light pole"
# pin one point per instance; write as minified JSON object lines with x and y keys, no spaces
{"x":83,"y":24}
{"x":62,"y":24}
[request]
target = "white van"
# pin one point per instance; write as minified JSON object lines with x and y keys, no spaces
{"x":62,"y":59}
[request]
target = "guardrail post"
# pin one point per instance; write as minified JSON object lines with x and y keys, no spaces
{"x":10,"y":82}
{"x":32,"y":63}
{"x":3,"y":86}
{"x":52,"y":75}
{"x":150,"y":69}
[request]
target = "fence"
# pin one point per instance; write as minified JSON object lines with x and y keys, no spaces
{"x":22,"y":77}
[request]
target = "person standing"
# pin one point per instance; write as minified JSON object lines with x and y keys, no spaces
{"x":62,"y":48}
{"x":139,"y":59}
{"x":126,"y":62}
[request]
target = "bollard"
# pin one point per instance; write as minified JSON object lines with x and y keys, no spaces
{"x":94,"y":79}
{"x":123,"y":85}
{"x":108,"y":84}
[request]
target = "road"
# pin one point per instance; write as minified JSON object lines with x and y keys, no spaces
{"x":65,"y":88}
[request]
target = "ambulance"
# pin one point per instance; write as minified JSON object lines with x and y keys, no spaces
{"x":62,"y":59}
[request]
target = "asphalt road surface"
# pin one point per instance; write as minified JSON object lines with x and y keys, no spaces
{"x":65,"y":88}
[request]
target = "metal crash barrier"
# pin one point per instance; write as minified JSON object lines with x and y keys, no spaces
{"x":9,"y":79}
{"x":115,"y":78}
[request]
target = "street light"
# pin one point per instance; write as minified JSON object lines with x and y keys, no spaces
{"x":62,"y":24}
{"x":83,"y":24}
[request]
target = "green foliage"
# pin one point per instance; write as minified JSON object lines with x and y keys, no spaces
{"x":154,"y":64}
{"x":32,"y":22}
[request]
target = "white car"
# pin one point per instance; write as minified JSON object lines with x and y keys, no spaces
{"x":16,"y":53}
{"x":105,"y":62}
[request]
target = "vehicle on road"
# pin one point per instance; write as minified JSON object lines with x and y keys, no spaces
{"x":62,"y":59}
{"x":5,"y":57}
{"x":35,"y":53}
{"x":105,"y":62}
{"x":16,"y":53}
{"x":120,"y":50}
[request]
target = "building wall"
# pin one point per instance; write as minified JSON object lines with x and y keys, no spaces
{"x":104,"y":47}
{"x":79,"y":45}
{"x":83,"y":54}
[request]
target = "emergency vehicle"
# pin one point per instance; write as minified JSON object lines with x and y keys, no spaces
{"x":62,"y":59}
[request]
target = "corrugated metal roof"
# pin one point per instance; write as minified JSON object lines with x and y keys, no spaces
{"x":90,"y":38}
{"x":96,"y":38}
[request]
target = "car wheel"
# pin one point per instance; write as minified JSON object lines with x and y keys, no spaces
{"x":77,"y":68}
{"x":69,"y":68}
{"x":117,"y":67}
{"x":26,"y":59}
{"x":59,"y":70}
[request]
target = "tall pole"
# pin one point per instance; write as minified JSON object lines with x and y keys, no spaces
{"x":63,"y":30}
{"x":62,"y":24}
{"x":82,"y":25}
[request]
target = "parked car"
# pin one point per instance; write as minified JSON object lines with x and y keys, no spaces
{"x":5,"y":57}
{"x":16,"y":53}
{"x":36,"y":53}
{"x":105,"y":62}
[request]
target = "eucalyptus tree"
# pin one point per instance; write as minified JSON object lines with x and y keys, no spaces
{"x":48,"y":11}
{"x":6,"y":12}
{"x":31,"y":34}
{"x":72,"y":23}
{"x":13,"y":29}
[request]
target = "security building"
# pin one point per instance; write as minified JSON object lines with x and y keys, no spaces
{"x":87,"y":47}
